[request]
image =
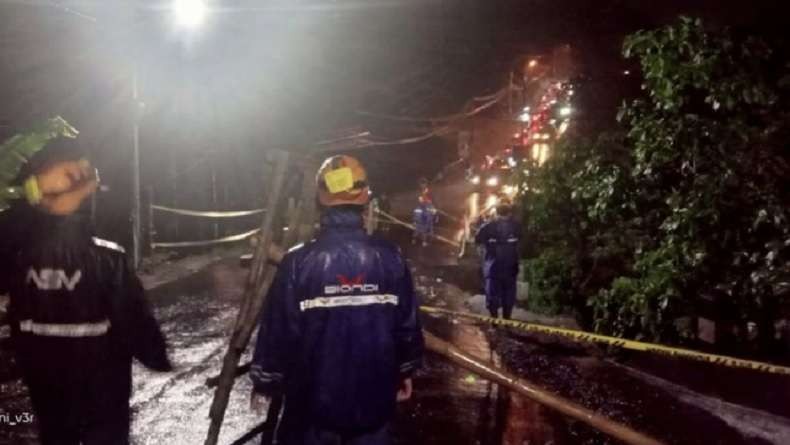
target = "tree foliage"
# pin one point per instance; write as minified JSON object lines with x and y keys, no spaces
{"x":692,"y":200}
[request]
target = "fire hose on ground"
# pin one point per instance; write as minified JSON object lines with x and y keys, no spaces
{"x":504,"y":378}
{"x":396,"y":221}
{"x":521,"y":386}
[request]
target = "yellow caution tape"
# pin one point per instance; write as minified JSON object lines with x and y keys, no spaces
{"x":396,"y":221}
{"x":582,"y":336}
{"x":340,"y":180}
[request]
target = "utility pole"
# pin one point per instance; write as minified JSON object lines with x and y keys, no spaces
{"x":214,"y":203}
{"x":136,"y":226}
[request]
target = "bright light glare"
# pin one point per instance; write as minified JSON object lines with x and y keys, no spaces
{"x":563,"y":127}
{"x":544,"y":153}
{"x":533,"y":63}
{"x":492,"y":181}
{"x":190,"y":13}
{"x":566,"y":111}
{"x":476,"y":180}
{"x":525,"y":117}
{"x":511,"y":161}
{"x":491,"y":202}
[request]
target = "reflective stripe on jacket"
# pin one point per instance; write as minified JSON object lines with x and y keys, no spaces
{"x":78,"y":316}
{"x":340,"y":328}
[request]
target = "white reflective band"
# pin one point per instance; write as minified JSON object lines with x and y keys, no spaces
{"x":65,"y":329}
{"x":349,"y":300}
{"x":512,"y":240}
{"x":108,"y":244}
{"x":265,"y":377}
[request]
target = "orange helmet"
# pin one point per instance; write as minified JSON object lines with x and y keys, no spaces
{"x":425,"y":198}
{"x":342,"y":180}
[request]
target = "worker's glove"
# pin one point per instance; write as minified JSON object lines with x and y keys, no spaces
{"x":405,"y":390}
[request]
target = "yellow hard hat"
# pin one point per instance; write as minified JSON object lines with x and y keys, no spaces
{"x":342,"y":180}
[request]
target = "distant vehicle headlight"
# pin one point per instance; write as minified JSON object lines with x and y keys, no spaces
{"x":475,"y":179}
{"x":492,"y":181}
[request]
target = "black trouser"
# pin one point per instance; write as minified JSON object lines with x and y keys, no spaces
{"x":106,"y":432}
{"x":69,"y":418}
{"x":501,"y":292}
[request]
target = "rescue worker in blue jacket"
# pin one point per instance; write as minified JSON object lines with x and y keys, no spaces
{"x":339,"y":334}
{"x":78,"y":316}
{"x":424,"y":218}
{"x":500,"y":239}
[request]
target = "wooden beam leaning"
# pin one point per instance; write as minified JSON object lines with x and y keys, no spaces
{"x":304,"y":213}
{"x":259,"y":279}
{"x":539,"y":395}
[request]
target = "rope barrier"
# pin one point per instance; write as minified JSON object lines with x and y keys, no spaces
{"x":411,"y":226}
{"x":447,"y":215}
{"x":209,"y":214}
{"x":227,"y":239}
{"x":581,"y":336}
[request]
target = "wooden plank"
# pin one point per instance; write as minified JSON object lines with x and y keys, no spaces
{"x":259,"y":279}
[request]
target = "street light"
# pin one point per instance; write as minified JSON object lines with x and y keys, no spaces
{"x":186,"y":14}
{"x":190,"y":13}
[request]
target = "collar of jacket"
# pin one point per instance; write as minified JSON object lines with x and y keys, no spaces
{"x":71,"y":226}
{"x":341,"y":218}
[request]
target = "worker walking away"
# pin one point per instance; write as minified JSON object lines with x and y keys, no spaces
{"x":340,"y":335}
{"x":499,"y":238}
{"x":78,"y":316}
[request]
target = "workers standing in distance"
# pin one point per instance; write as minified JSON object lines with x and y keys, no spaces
{"x":78,"y":315}
{"x":499,"y":238}
{"x":425,"y":215}
{"x":340,"y":335}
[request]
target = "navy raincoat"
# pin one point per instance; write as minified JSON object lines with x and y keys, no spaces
{"x":339,"y":330}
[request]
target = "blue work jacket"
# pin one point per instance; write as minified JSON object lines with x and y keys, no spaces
{"x":339,"y":329}
{"x":500,"y":238}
